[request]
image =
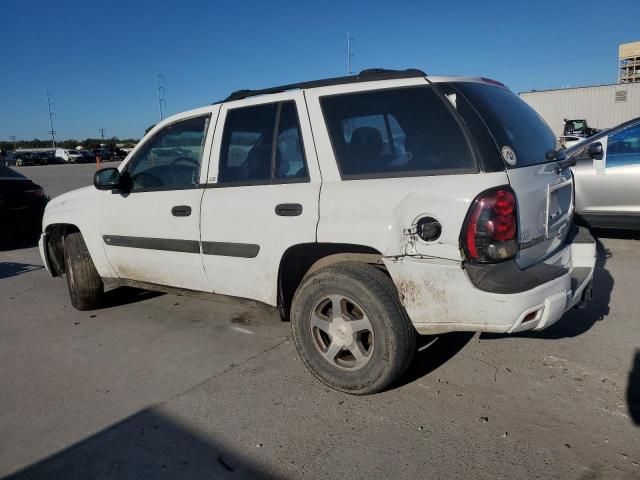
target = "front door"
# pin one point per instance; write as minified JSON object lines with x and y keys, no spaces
{"x":610,"y":186}
{"x":151,"y":231}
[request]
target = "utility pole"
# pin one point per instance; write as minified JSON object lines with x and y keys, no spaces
{"x":350,"y":54}
{"x":161,"y":92}
{"x":13,"y":141}
{"x":102,"y":130}
{"x":51,"y":115}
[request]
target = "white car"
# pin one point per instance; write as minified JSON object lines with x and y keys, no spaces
{"x":367,"y":209}
{"x":68,"y":155}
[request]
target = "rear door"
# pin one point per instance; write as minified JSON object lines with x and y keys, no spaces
{"x":544,"y":191}
{"x":262,"y":194}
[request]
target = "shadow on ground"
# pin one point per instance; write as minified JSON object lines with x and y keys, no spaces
{"x":127,"y":295}
{"x":13,"y":269}
{"x":433,"y":352}
{"x":633,"y":389}
{"x":147,"y":445}
{"x":578,"y":320}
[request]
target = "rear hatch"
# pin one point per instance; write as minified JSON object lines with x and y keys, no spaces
{"x":543,"y":184}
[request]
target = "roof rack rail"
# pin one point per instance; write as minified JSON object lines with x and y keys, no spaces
{"x":368,"y":75}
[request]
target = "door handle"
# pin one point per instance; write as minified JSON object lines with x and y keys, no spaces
{"x":288,"y":209}
{"x":181,"y":211}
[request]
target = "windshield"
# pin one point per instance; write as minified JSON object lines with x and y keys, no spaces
{"x":512,"y":122}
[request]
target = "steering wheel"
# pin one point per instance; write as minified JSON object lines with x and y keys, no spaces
{"x":186,"y":160}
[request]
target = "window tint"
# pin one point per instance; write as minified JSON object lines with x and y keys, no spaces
{"x":171,"y":158}
{"x":394,"y":133}
{"x":248,"y":150}
{"x":623,"y":148}
{"x":512,"y":122}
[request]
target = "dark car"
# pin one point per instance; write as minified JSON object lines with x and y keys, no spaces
{"x":87,"y":156}
{"x":40,"y":158}
{"x":22,"y":204}
{"x":23,"y":159}
{"x":104,"y":153}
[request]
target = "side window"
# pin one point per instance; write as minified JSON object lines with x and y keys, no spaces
{"x":290,"y":162}
{"x":252,"y":152}
{"x":171,"y":158}
{"x":395,"y":132}
{"x":623,"y":148}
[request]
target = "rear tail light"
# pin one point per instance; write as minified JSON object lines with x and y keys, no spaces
{"x":491,"y":228}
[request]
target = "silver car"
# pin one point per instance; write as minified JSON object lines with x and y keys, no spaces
{"x":607,"y":177}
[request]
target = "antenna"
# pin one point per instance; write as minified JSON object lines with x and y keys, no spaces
{"x":161,"y":93}
{"x":350,"y":54}
{"x":52,"y":114}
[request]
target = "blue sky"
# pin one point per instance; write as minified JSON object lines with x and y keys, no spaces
{"x":100,"y":59}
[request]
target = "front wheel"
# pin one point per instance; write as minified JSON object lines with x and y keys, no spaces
{"x":85,"y":285}
{"x":350,"y":328}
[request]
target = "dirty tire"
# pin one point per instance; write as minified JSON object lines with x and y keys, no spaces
{"x":85,"y":285}
{"x":393,"y":336}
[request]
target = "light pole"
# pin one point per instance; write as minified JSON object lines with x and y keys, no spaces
{"x":161,"y":92}
{"x":51,"y":115}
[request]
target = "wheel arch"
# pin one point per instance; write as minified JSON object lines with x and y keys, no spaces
{"x":53,"y":245}
{"x":301,"y":259}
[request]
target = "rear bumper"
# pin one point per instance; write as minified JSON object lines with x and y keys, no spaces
{"x":439,"y":295}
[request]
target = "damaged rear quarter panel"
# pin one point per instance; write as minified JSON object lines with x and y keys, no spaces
{"x":377,"y":212}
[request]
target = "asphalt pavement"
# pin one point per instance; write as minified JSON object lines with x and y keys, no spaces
{"x":159,"y":386}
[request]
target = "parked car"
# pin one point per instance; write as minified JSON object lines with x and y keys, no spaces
{"x":607,"y":177}
{"x":87,"y":156}
{"x":109,"y":154}
{"x":22,"y":204}
{"x":23,"y":159}
{"x":68,"y":155}
{"x":366,"y":209}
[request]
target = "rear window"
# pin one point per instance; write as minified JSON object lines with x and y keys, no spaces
{"x":512,"y":122}
{"x":395,"y":132}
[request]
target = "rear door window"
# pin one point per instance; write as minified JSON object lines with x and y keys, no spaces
{"x":262,"y":144}
{"x":395,"y":132}
{"x":511,"y":121}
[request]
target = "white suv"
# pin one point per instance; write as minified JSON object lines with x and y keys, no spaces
{"x":366,"y":208}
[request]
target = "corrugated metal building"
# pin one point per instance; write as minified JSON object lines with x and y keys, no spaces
{"x":603,"y":106}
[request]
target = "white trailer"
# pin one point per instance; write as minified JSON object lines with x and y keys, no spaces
{"x":603,"y":106}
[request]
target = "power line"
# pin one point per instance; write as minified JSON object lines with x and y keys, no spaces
{"x":161,"y":92}
{"x":52,"y":132}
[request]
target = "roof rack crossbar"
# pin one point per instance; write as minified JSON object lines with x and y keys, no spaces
{"x":368,"y":75}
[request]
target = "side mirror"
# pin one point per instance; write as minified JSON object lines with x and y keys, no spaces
{"x":595,"y":151}
{"x":107,"y":179}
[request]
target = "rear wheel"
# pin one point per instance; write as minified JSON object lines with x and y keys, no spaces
{"x":350,"y":328}
{"x":85,"y":285}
